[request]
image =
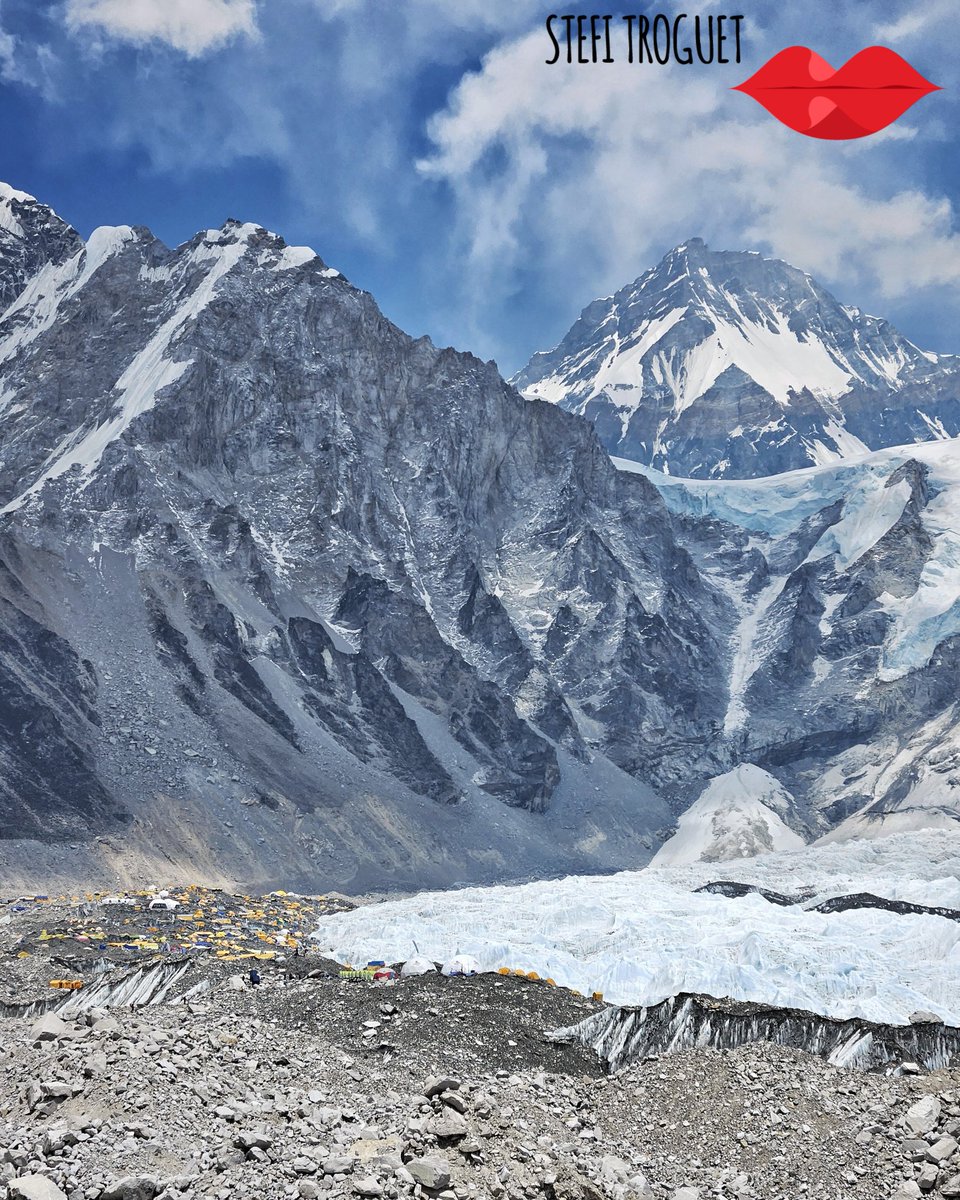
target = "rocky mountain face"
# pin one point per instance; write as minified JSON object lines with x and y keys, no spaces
{"x":287,"y":596}
{"x":844,"y":656}
{"x":286,"y":593}
{"x":718,"y":365}
{"x":32,"y":238}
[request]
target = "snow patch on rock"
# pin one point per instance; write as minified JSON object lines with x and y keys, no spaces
{"x":738,"y":815}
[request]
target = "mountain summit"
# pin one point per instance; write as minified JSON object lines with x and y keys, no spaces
{"x":718,"y":364}
{"x":286,"y":587}
{"x":288,"y":596}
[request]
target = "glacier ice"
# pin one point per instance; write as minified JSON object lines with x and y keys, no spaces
{"x":777,"y":506}
{"x":642,"y":936}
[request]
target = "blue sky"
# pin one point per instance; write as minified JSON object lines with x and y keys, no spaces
{"x":425,"y":149}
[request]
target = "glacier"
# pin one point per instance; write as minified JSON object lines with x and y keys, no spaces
{"x":777,"y":506}
{"x":621,"y":1036}
{"x":640,"y":937}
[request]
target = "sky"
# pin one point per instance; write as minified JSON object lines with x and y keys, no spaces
{"x":427,"y":150}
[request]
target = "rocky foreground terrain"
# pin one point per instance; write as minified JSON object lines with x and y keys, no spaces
{"x":309,"y":1085}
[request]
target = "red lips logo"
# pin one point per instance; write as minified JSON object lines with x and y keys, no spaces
{"x":805,"y":93}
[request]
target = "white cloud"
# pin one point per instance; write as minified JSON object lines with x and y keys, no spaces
{"x":29,"y":65}
{"x":587,"y":175}
{"x":543,"y":185}
{"x":10,"y":71}
{"x":193,"y":26}
{"x":914,"y":21}
{"x":7,"y":55}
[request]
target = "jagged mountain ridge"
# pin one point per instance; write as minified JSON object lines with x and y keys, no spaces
{"x":718,"y":364}
{"x":288,"y":596}
{"x":844,"y":657}
{"x":339,"y":596}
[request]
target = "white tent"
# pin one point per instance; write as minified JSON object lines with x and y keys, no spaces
{"x":463,"y":964}
{"x":169,"y":905}
{"x":417,"y":966}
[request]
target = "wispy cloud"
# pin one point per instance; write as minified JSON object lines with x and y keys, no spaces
{"x":7,"y":55}
{"x":26,"y":63}
{"x":537,"y":187}
{"x":192,"y":26}
{"x":591,"y":174}
{"x":915,"y":21}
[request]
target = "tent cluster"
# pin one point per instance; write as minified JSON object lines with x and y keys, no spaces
{"x":377,"y":971}
{"x":23,"y":903}
{"x":461,"y":965}
{"x":192,"y":919}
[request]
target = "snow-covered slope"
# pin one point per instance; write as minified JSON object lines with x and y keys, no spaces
{"x":844,"y":656}
{"x":32,"y":238}
{"x":874,"y":491}
{"x":738,"y":815}
{"x":639,"y":937}
{"x":729,"y":365}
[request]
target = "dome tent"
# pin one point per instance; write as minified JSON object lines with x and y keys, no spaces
{"x":418,"y":965}
{"x":462,"y":964}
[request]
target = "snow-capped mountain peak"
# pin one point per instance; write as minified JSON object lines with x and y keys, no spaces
{"x":31,"y":236}
{"x":728,"y":364}
{"x":10,"y":201}
{"x":242,"y":510}
{"x":180,"y":285}
{"x":262,"y":549}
